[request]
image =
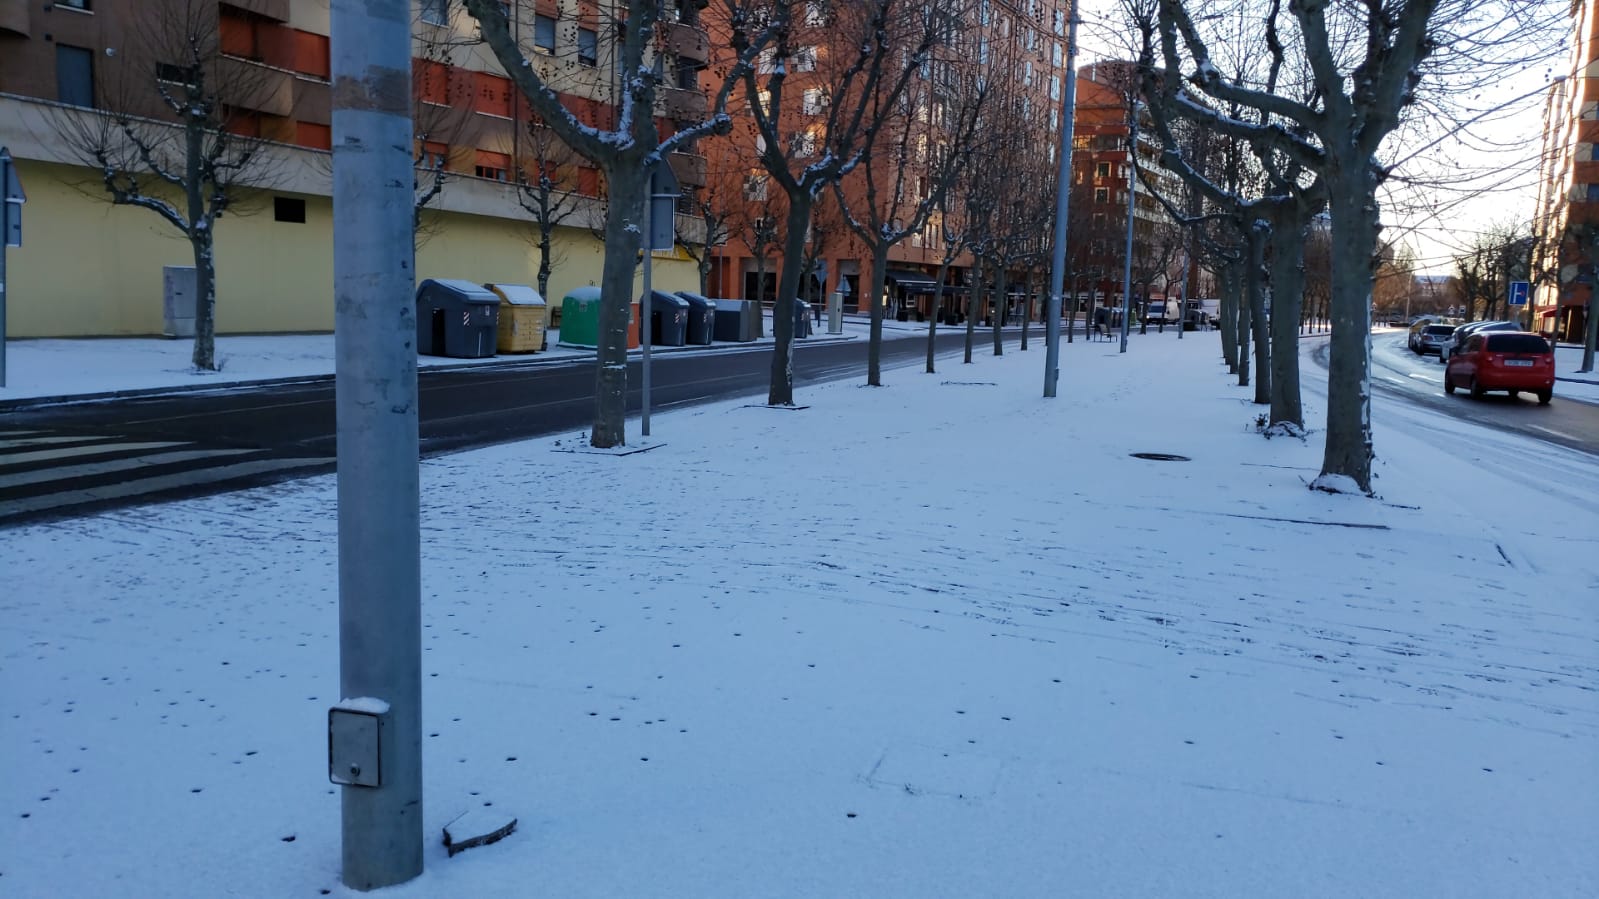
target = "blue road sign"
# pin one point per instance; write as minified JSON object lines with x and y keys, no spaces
{"x":1518,"y":293}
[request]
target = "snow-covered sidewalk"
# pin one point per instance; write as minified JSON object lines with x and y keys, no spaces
{"x":943,"y":638}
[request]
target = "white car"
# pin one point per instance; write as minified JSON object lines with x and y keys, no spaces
{"x":1457,"y":339}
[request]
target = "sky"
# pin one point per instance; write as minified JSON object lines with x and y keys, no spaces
{"x":1471,"y":181}
{"x":941,"y":638}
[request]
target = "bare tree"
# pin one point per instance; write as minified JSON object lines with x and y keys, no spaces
{"x":174,"y":133}
{"x":881,"y":46}
{"x":910,"y":163}
{"x":547,"y":189}
{"x":626,"y":153}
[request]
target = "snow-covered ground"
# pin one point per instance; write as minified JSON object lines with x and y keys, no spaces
{"x":943,"y":638}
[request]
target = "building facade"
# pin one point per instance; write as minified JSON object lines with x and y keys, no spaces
{"x":87,"y":267}
{"x":1018,"y":46}
{"x":1566,"y":219}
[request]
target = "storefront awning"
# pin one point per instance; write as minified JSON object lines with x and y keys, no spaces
{"x":912,"y":282}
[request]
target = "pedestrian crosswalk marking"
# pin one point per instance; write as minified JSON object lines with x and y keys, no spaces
{"x":151,"y":485}
{"x":98,"y":449}
{"x":15,"y":440}
{"x":130,"y":464}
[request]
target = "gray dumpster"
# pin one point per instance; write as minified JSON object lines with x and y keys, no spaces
{"x":456,"y":318}
{"x":668,"y":319}
{"x":737,"y":320}
{"x":701,"y":318}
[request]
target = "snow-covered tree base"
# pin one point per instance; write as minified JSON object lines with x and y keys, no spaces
{"x":1337,"y":483}
{"x":1285,"y":429}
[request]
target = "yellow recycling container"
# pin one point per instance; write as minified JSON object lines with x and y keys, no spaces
{"x":523,"y":318}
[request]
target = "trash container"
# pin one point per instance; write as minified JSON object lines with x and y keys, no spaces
{"x":668,"y":319}
{"x":737,"y":320}
{"x":523,"y":317}
{"x":580,"y":319}
{"x":701,"y":318}
{"x":455,"y":318}
{"x":802,"y":318}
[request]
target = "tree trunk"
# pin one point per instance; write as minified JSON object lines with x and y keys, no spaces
{"x":628,"y":183}
{"x":1068,"y":306}
{"x":932,"y":320}
{"x":203,"y":242}
{"x":1241,"y":319}
{"x":760,"y":295}
{"x":781,"y":390}
{"x":205,"y":294}
{"x":1000,"y":287}
{"x":1259,"y":233}
{"x":874,"y":342}
{"x":973,"y":301}
{"x":1228,"y":309}
{"x":1353,"y":204}
{"x":705,"y":273}
{"x":545,"y":268}
{"x":1027,"y":309}
{"x":1287,"y":305}
{"x":1590,"y":337}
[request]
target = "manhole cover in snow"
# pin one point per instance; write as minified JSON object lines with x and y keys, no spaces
{"x":1161,"y":457}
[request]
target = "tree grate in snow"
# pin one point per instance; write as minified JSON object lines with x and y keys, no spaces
{"x":1161,"y":457}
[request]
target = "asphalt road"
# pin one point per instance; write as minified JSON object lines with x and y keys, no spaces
{"x":1420,"y":380}
{"x":69,"y":459}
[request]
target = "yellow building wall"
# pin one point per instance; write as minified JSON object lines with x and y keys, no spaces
{"x":87,"y":268}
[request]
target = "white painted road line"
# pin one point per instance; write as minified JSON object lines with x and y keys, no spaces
{"x":89,"y":469}
{"x":151,"y":485}
{"x":99,"y":449}
{"x":14,"y":440}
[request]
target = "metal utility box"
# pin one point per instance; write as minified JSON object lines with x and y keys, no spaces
{"x":456,"y":318}
{"x":668,"y":319}
{"x":737,"y":320}
{"x":523,"y":318}
{"x":179,"y":294}
{"x":701,"y":318}
{"x":355,"y":741}
{"x":802,"y":318}
{"x":580,"y":319}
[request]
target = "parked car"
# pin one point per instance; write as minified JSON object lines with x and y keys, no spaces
{"x":1431,"y":339}
{"x":1512,"y":361}
{"x":1418,"y":324}
{"x":1461,"y":332}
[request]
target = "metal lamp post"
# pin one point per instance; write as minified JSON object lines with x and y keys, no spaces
{"x":1057,"y":260}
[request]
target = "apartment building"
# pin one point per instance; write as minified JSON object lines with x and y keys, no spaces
{"x":90,"y":268}
{"x":1019,"y":42}
{"x":1102,"y":176}
{"x":1566,"y":219}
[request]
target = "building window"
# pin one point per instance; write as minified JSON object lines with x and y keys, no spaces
{"x":804,"y":59}
{"x":1102,"y":170}
{"x":1101,"y":195}
{"x":288,"y":209}
{"x":588,"y":46}
{"x":814,"y":101}
{"x":436,"y":12}
{"x":755,"y":187}
{"x":1593,"y":193}
{"x":688,"y":74}
{"x":492,"y":166}
{"x":544,"y":33}
{"x":74,"y":76}
{"x":82,"y":5}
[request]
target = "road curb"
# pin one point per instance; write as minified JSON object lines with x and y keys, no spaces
{"x":34,"y":402}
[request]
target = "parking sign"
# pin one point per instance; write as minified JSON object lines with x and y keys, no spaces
{"x":1518,"y":293}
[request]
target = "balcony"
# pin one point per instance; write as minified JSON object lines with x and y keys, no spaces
{"x":687,"y":40}
{"x":14,"y":17}
{"x":689,"y":168}
{"x":251,"y":85}
{"x":677,"y":103}
{"x":276,"y":10}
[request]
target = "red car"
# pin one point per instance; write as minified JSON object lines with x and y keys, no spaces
{"x":1512,"y":361}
